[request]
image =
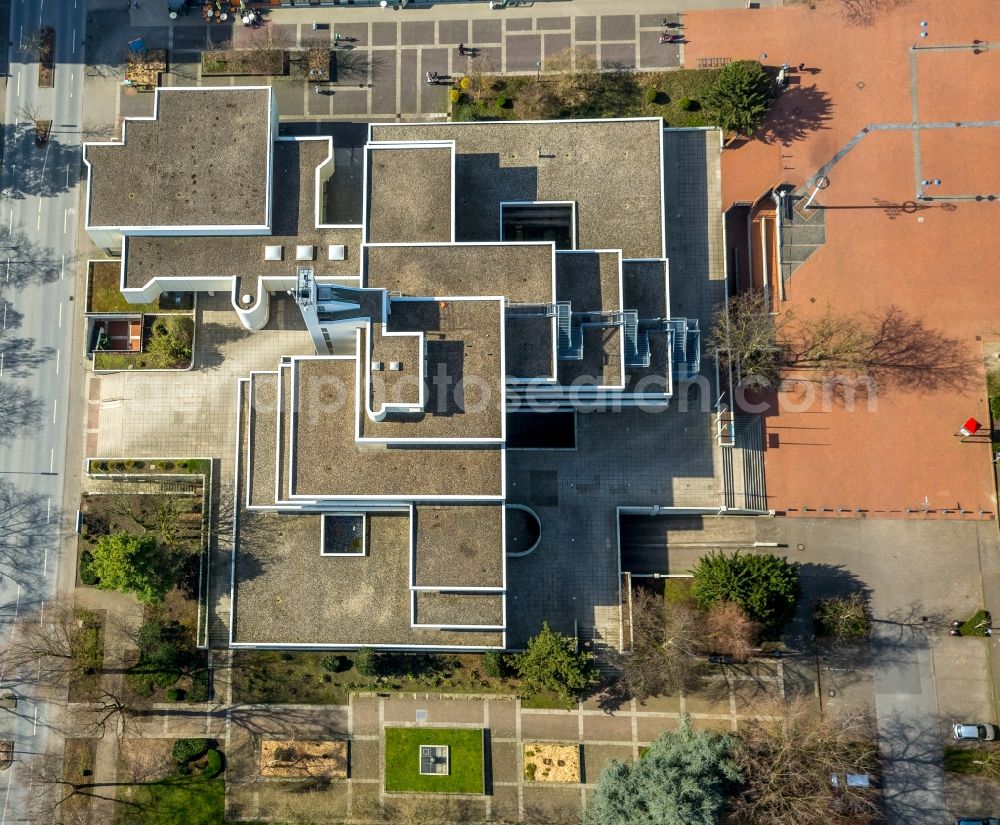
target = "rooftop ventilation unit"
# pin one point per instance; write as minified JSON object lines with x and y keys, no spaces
{"x":274,"y":252}
{"x":337,"y":252}
{"x":305,"y":252}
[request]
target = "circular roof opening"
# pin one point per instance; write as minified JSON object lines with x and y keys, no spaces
{"x":524,"y":530}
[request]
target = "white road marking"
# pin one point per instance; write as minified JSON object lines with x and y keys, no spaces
{"x":74,"y":40}
{"x":1,"y":365}
{"x":60,"y":315}
{"x":57,"y":358}
{"x":6,"y":798}
{"x":65,"y":218}
{"x":67,"y":175}
{"x":52,"y":452}
{"x":55,"y":406}
{"x":41,"y":613}
{"x":10,"y":228}
{"x":45,"y":566}
{"x":62,"y":270}
{"x":34,"y":722}
{"x":39,"y":227}
{"x":17,"y":605}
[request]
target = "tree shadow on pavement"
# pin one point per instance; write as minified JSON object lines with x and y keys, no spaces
{"x":20,"y":410}
{"x":23,"y":516}
{"x":21,"y":357}
{"x":24,"y":261}
{"x":35,"y":170}
{"x":800,"y":111}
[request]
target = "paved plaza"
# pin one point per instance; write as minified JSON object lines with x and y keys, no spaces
{"x":381,"y":61}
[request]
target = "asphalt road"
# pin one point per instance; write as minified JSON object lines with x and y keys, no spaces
{"x":38,"y":261}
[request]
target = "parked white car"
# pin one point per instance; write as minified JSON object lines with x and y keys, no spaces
{"x":982,"y":732}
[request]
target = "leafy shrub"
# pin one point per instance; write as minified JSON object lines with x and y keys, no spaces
{"x":366,"y":662}
{"x":765,"y":586}
{"x":185,"y":750}
{"x":502,"y":102}
{"x":977,"y":625}
{"x":529,"y":771}
{"x":552,"y":662}
{"x":465,"y":83}
{"x":494,"y":665}
{"x":176,"y":694}
{"x":686,"y":104}
{"x":652,"y":95}
{"x":87,"y":574}
{"x":740,"y":96}
{"x":198,"y":692}
{"x":213,"y":764}
{"x":332,"y":663}
{"x":454,"y":95}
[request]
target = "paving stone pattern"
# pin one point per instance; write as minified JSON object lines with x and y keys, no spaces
{"x":379,"y":80}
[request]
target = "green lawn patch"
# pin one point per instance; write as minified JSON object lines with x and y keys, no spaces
{"x":402,"y":760}
{"x":547,"y":700}
{"x":972,"y":626}
{"x":675,"y":96}
{"x":678,"y":591}
{"x":993,"y":388}
{"x":975,"y":761}
{"x":179,"y":800}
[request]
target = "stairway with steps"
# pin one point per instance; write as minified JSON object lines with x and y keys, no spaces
{"x":743,"y":483}
{"x":802,"y":233}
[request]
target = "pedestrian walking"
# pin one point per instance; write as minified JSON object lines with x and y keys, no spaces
{"x":802,"y":67}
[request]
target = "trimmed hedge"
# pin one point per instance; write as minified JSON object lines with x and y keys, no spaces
{"x":185,"y":750}
{"x":213,"y":764}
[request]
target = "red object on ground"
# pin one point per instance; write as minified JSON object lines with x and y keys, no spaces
{"x":971,"y":426}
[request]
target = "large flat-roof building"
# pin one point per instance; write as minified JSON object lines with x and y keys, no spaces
{"x":485,"y":269}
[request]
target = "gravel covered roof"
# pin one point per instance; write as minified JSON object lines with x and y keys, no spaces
{"x":528,"y":346}
{"x":409,"y":194}
{"x":611,"y":168}
{"x":475,"y":609}
{"x":263,"y":432}
{"x":286,"y":592}
{"x":187,"y":167}
{"x":522,"y":273}
{"x":459,"y":546}
{"x":589,"y":281}
{"x":242,"y":256}
{"x":329,"y":462}
{"x":465,"y":382}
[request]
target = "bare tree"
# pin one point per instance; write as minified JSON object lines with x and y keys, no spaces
{"x":48,"y":804}
{"x":744,"y":337}
{"x":56,"y":645}
{"x":891,"y":348}
{"x":730,"y":631}
{"x":866,"y":12}
{"x":106,"y":711}
{"x":480,"y":73}
{"x":787,"y":759}
{"x":38,"y":45}
{"x":666,"y":645}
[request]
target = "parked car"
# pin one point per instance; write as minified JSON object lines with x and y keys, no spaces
{"x":990,"y":820}
{"x":982,"y":732}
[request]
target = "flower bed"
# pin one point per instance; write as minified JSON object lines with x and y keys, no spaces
{"x":244,"y":61}
{"x":305,"y":758}
{"x":546,"y":762}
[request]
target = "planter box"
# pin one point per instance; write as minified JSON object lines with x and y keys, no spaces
{"x":231,"y":62}
{"x":47,"y":58}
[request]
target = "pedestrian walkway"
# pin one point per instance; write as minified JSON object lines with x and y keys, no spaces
{"x":601,"y":735}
